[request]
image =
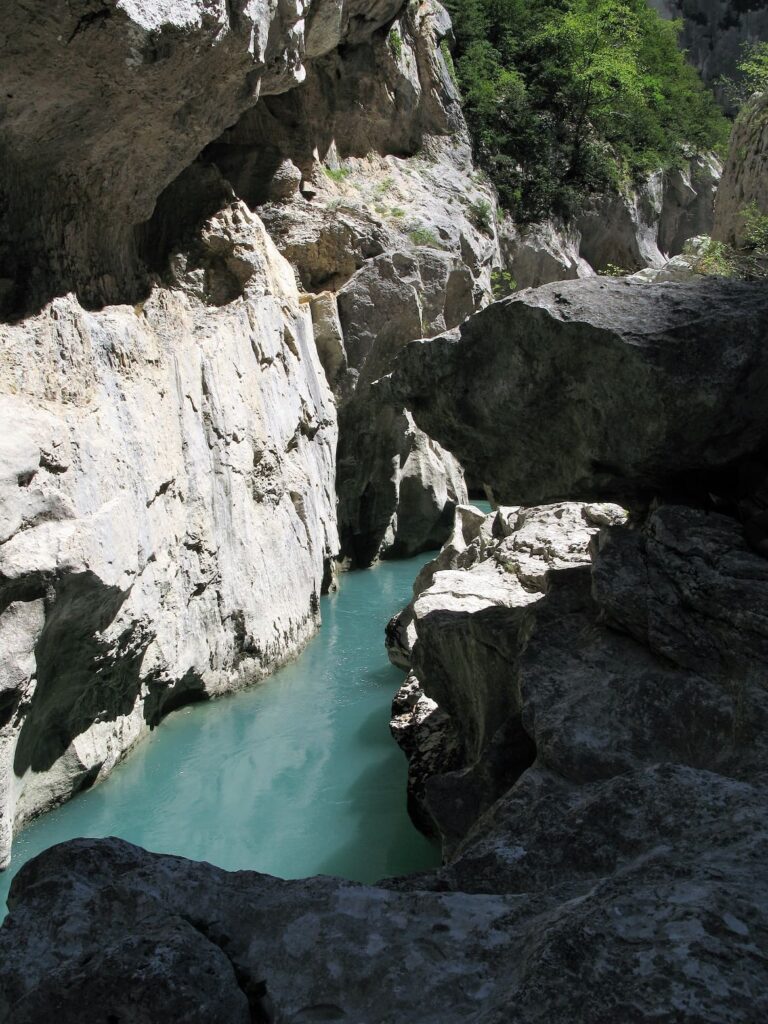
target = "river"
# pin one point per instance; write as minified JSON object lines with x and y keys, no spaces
{"x":296,"y":776}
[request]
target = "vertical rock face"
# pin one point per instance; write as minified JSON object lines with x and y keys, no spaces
{"x":364,"y":177}
{"x":169,"y":440}
{"x":714,"y":31}
{"x":745,"y":176}
{"x":168,"y":508}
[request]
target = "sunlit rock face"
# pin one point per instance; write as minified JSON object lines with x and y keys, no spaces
{"x":364,"y":177}
{"x":169,"y":436}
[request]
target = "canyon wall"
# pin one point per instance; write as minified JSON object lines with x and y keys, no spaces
{"x":714,"y":32}
{"x":745,"y":182}
{"x":584,"y":719}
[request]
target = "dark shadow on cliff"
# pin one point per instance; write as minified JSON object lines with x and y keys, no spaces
{"x":81,"y":677}
{"x":84,"y":678}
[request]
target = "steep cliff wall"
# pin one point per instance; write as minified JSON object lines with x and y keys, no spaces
{"x":168,"y":510}
{"x":364,"y":177}
{"x":714,"y":32}
{"x":745,"y":176}
{"x":169,"y":436}
{"x":168,"y":495}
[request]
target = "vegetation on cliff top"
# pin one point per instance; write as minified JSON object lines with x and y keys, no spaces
{"x":565,"y":98}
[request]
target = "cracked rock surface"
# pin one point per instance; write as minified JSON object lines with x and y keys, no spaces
{"x":168,"y":508}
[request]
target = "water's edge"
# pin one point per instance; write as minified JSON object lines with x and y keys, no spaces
{"x":296,"y":776}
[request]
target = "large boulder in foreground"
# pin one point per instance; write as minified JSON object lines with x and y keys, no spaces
{"x":622,"y":873}
{"x":596,"y":389}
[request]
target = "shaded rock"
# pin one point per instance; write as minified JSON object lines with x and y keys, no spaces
{"x":619,"y":231}
{"x":633,"y":689}
{"x":460,"y":635}
{"x":688,"y":207}
{"x":641,"y":385}
{"x":397,"y":225}
{"x":542,"y":253}
{"x":629,"y":232}
{"x":744,"y":175}
{"x":123,"y":116}
{"x":397,"y":488}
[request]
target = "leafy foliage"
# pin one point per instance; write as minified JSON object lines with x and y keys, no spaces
{"x":502,"y":284}
{"x":395,"y":43}
{"x":569,"y":97}
{"x":337,"y":174}
{"x":748,"y":263}
{"x":753,"y":68}
{"x":423,"y":236}
{"x":481,"y":214}
{"x":755,"y":229}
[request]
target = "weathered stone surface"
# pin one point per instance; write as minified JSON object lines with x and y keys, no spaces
{"x":745,"y":181}
{"x":688,"y":206}
{"x":397,"y":224}
{"x":623,"y":872}
{"x":103,"y":108}
{"x":460,"y":635}
{"x":620,"y":231}
{"x":542,"y":253}
{"x":629,"y":232}
{"x":596,"y":389}
{"x":166,"y":507}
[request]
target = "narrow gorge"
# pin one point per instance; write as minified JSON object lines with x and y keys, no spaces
{"x":287,"y":324}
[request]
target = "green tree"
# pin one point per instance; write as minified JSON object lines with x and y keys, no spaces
{"x":569,"y":97}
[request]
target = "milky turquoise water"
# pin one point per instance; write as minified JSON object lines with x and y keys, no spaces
{"x":297,"y":776}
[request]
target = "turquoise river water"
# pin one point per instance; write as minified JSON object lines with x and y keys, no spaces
{"x":296,"y":776}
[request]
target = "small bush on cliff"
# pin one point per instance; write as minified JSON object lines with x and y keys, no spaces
{"x":337,"y":174}
{"x":481,"y":215}
{"x":423,"y":236}
{"x":502,"y":284}
{"x":569,"y":97}
{"x":755,"y":229}
{"x":395,"y":41}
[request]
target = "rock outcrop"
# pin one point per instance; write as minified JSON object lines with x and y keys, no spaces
{"x":745,"y":181}
{"x":365,"y":180}
{"x":625,"y":232}
{"x":168,"y":508}
{"x":457,"y":717}
{"x":597,"y":389}
{"x":103,"y":109}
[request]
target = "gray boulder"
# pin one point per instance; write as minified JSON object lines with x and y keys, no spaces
{"x":596,"y":389}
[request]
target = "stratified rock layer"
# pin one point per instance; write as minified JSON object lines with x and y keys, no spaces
{"x":597,"y":389}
